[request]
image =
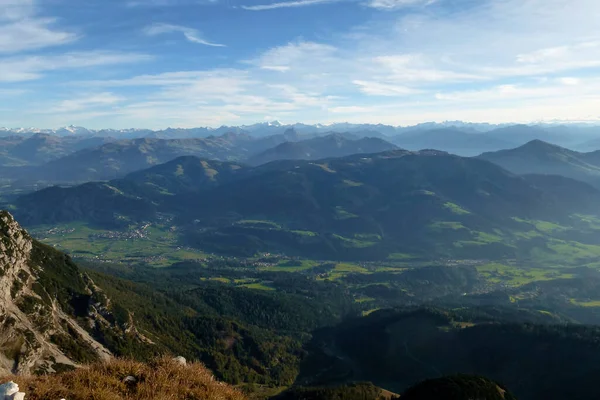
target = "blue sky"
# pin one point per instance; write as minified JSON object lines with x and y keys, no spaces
{"x":185,"y":63}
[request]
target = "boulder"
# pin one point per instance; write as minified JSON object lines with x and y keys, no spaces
{"x":180,"y":360}
{"x":10,"y":391}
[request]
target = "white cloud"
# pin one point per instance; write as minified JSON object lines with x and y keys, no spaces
{"x":18,"y":69}
{"x":382,"y":89}
{"x":562,"y":89}
{"x":379,"y":4}
{"x":226,"y":81}
{"x":543,"y":55}
{"x":397,"y":4}
{"x":278,"y":68}
{"x":287,"y":4}
{"x":80,"y":103}
{"x":22,"y":30}
{"x":11,"y":92}
{"x":569,"y":81}
{"x":294,"y":54}
{"x":192,"y":98}
{"x":30,"y":34}
{"x":190,"y":34}
{"x":350,"y":109}
{"x":15,"y":9}
{"x":419,"y":69}
{"x":150,"y":3}
{"x":166,"y":3}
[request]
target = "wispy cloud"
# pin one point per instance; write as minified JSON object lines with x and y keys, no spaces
{"x":95,"y":101}
{"x":150,"y":3}
{"x":350,"y":109}
{"x":193,"y":98}
{"x":287,"y":4}
{"x":12,"y":92}
{"x":19,"y":69}
{"x":15,"y":9}
{"x":278,"y":68}
{"x":166,"y":3}
{"x":190,"y":34}
{"x":21,"y":29}
{"x":420,"y":69}
{"x":398,"y":4}
{"x":569,"y":81}
{"x":382,"y":89}
{"x":293,"y":55}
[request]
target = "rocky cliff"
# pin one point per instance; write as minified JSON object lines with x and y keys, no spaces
{"x":47,"y":307}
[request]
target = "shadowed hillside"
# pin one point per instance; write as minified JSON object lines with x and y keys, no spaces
{"x":461,"y":387}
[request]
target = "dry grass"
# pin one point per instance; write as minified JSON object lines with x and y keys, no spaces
{"x":162,"y":379}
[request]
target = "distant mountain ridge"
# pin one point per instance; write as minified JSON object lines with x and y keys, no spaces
{"x":30,"y":147}
{"x":276,"y":127}
{"x":116,"y":159}
{"x":333,"y":145}
{"x":41,"y":148}
{"x":119,"y":158}
{"x":539,"y":157}
{"x":452,"y":140}
{"x":259,"y":129}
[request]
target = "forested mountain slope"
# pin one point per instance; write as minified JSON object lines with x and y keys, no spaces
{"x":362,"y":206}
{"x":537,"y":157}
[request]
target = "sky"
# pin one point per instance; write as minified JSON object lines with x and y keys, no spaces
{"x":189,"y":63}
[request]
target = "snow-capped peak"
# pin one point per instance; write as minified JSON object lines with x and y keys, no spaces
{"x":71,"y":130}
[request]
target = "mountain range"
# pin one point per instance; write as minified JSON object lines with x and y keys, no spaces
{"x":96,"y":153}
{"x":41,"y":148}
{"x":258,"y":129}
{"x":564,"y":134}
{"x":118,"y":158}
{"x":40,"y":160}
{"x":365,"y":206}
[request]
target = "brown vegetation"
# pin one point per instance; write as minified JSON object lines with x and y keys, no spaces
{"x":162,"y":379}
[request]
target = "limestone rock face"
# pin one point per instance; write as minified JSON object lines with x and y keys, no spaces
{"x":39,"y":328}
